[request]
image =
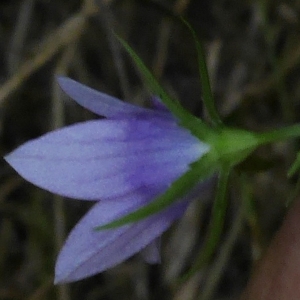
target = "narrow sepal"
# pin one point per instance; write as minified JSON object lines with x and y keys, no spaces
{"x":186,"y":119}
{"x":208,"y":99}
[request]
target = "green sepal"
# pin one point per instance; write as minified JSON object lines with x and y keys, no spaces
{"x":198,"y":171}
{"x":195,"y":125}
{"x":204,"y":79}
{"x":230,"y":146}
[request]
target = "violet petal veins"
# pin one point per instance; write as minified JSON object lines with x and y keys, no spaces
{"x":123,"y":162}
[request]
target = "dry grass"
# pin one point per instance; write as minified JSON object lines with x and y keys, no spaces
{"x":253,"y":53}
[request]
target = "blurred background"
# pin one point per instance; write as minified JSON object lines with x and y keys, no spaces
{"x":253,"y":55}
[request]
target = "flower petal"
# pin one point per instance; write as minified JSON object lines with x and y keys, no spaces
{"x":151,"y":253}
{"x":106,"y":158}
{"x":98,"y":102}
{"x":158,"y":104}
{"x":87,"y":251}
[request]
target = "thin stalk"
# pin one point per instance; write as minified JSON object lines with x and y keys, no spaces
{"x":281,"y":134}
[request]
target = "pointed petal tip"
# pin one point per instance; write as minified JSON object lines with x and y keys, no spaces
{"x":10,"y":158}
{"x":63,"y":81}
{"x":61,"y":77}
{"x":64,"y":275}
{"x":7,"y":158}
{"x":61,"y":278}
{"x":66,"y":84}
{"x":57,"y":281}
{"x":151,"y":253}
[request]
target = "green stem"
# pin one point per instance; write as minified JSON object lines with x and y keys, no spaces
{"x":279,"y":134}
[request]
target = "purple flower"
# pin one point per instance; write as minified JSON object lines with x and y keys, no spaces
{"x":125,"y":160}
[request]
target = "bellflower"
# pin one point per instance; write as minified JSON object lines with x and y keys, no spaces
{"x":122,"y":162}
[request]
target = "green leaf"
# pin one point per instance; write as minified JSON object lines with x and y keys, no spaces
{"x":186,"y":119}
{"x":199,"y":170}
{"x":204,"y":79}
